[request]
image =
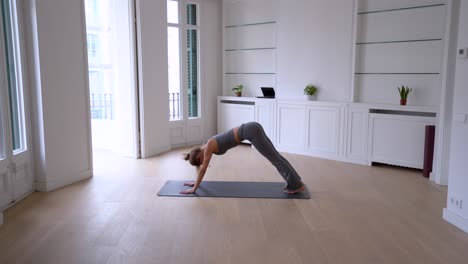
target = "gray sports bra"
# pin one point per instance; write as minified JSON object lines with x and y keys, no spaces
{"x":225,"y":141}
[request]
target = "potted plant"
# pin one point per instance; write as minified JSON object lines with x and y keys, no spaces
{"x":310,"y":91}
{"x":238,"y":90}
{"x":404,"y":92}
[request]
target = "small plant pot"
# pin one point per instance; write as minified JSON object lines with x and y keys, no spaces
{"x":239,"y":94}
{"x":402,"y":101}
{"x":311,"y":97}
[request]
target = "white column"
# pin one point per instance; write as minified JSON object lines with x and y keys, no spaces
{"x":58,"y":81}
{"x":457,"y":200}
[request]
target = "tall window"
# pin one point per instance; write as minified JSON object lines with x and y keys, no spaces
{"x":14,"y":74}
{"x":187,"y":30}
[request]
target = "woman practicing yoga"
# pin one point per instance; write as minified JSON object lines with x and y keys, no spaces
{"x":219,"y":144}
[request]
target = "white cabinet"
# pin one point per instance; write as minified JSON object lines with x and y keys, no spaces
{"x":323,"y":130}
{"x":234,"y":113}
{"x":265,"y":115}
{"x":291,"y":127}
{"x":356,"y":135}
{"x":397,"y":139}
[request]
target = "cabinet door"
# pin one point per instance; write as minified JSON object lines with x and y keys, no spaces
{"x":232,"y":115}
{"x":291,"y":127}
{"x":398,"y":139}
{"x":265,"y":115}
{"x":356,"y":149}
{"x":323,"y":130}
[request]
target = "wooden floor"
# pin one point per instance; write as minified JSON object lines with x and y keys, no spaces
{"x":357,"y":214}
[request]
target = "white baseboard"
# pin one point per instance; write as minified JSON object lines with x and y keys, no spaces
{"x":455,"y":219}
{"x":1,"y":218}
{"x":50,"y":185}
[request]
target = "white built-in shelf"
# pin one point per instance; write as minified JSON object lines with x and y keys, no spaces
{"x":250,"y":49}
{"x":370,"y":106}
{"x":304,"y":101}
{"x":397,"y":9}
{"x":410,"y":73}
{"x":395,"y":107}
{"x":250,"y":73}
{"x":251,"y":24}
{"x":399,"y":42}
{"x":249,"y":45}
{"x":396,"y":41}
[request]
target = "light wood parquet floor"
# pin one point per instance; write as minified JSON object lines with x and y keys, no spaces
{"x":357,"y":214}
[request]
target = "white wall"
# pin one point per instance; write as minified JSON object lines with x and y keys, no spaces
{"x":59,"y":92}
{"x":315,"y":42}
{"x":210,"y":62}
{"x":458,"y":168}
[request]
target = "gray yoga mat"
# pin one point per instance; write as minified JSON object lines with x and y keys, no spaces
{"x":233,"y":190}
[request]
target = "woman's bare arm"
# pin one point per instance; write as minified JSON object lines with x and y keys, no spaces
{"x":208,"y":153}
{"x":192,"y":183}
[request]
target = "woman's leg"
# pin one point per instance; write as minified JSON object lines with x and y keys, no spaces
{"x":256,"y":135}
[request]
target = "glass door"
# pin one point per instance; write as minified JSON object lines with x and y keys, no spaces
{"x":5,"y":184}
{"x":184,"y":72}
{"x":16,"y":155}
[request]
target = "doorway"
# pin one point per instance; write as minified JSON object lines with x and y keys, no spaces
{"x":16,"y":178}
{"x":112,"y":76}
{"x":183,"y":32}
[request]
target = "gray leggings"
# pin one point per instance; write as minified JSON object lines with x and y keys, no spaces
{"x":254,"y":132}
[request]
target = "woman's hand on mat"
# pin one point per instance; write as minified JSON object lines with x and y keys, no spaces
{"x":188,"y":191}
{"x":190,"y":184}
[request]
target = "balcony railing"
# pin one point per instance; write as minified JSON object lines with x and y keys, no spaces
{"x":102,"y":106}
{"x":174,"y":106}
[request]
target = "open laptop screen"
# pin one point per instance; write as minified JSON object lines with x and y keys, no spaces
{"x":268,"y":92}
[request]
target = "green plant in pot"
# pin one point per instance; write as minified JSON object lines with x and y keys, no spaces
{"x":310,"y":91}
{"x":238,"y":90}
{"x":404,"y":92}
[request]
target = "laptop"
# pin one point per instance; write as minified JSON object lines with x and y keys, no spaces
{"x":268,"y":92}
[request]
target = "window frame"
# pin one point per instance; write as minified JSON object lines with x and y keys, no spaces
{"x":184,"y":26}
{"x":19,"y":75}
{"x":195,"y":27}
